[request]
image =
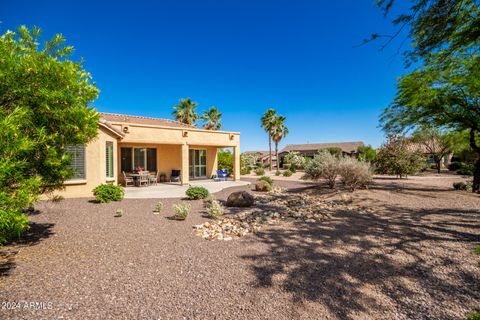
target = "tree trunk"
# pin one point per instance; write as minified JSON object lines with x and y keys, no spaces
{"x":476,"y":171}
{"x":438,"y":163}
{"x":276,"y":153}
{"x":270,"y":151}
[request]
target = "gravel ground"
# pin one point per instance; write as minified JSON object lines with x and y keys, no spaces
{"x":410,"y":259}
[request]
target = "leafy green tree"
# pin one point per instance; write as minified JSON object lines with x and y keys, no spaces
{"x":45,"y":106}
{"x":185,"y":112}
{"x":212,"y":119}
{"x":279,"y":131}
{"x":225,"y":160}
{"x":436,"y":26}
{"x":366,"y":153}
{"x":440,"y":95}
{"x":267,"y":124}
{"x":397,"y":158}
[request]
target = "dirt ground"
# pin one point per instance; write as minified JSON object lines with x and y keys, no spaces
{"x":410,"y":258}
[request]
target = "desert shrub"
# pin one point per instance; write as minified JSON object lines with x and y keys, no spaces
{"x":474,"y":316}
{"x":476,"y":249}
{"x":354,"y":173}
{"x":260,"y":171}
{"x":465,"y":169}
{"x":460,"y":186}
{"x":158,"y":207}
{"x":214,"y":209}
{"x":245,"y":170}
{"x":263,"y":186}
{"x":454,"y":166}
{"x":277,"y":173}
{"x":181,"y":210}
{"x":287,"y":173}
{"x":105,"y":193}
{"x":195,"y":193}
{"x":266,"y":179}
{"x":12,"y":225}
{"x":294,"y":160}
{"x":323,"y":165}
{"x":334,"y":151}
{"x":118,"y":213}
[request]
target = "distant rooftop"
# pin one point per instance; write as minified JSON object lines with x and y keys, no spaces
{"x":114,"y":117}
{"x":345,"y":146}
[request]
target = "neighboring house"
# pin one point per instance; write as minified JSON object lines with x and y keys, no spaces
{"x":263,"y":157}
{"x":310,"y":149}
{"x":428,"y":149}
{"x":126,"y":142}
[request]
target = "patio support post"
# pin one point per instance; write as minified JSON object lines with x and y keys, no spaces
{"x":185,"y":162}
{"x":236,"y":163}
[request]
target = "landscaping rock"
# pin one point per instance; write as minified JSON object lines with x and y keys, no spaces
{"x":240,"y":199}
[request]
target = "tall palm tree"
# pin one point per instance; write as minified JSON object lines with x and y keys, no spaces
{"x":267,"y":124}
{"x":279,"y":131}
{"x":212,"y":118}
{"x":185,"y":111}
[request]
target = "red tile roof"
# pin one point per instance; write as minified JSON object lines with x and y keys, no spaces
{"x":345,"y":146}
{"x":113,"y":118}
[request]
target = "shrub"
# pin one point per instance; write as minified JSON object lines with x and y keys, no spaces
{"x":474,"y":316}
{"x":12,"y":225}
{"x":225,"y":160}
{"x":214,"y":209}
{"x":466,"y":169}
{"x":323,"y":165}
{"x":277,"y":173}
{"x":118,"y":213}
{"x":334,"y":151}
{"x":354,"y":173}
{"x":366,"y":153}
{"x":287,"y":173}
{"x":181,"y":210}
{"x":476,"y":249}
{"x":266,"y":179}
{"x":105,"y":193}
{"x":245,"y":170}
{"x":260,"y":171}
{"x":263,"y":186}
{"x":454,"y":166}
{"x":460,"y":186}
{"x":158,"y":207}
{"x":195,"y":193}
{"x":294,"y":160}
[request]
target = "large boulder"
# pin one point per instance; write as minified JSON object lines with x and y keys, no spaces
{"x":240,"y":199}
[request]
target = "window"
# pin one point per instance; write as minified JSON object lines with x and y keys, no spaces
{"x":109,"y":158}
{"x":77,"y":161}
{"x":132,"y":158}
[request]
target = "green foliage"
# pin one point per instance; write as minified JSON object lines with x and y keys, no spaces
{"x":278,"y":173}
{"x":105,"y":193}
{"x":395,"y":157}
{"x":259,"y":171}
{"x":263,"y":186}
{"x":267,"y":120}
{"x":460,"y":186}
{"x":474,"y":316}
{"x":44,"y":106}
{"x":214,"y":209}
{"x":185,"y":112}
{"x":287,"y":173}
{"x":334,"y":151}
{"x":476,"y":249}
{"x":354,"y":173}
{"x":195,"y":193}
{"x":295,"y":160}
{"x":181,"y":210}
{"x":245,"y":170}
{"x":324,"y":165}
{"x":225,"y":160}
{"x":212,"y":119}
{"x":248,"y":161}
{"x":366,"y":153}
{"x":12,"y":225}
{"x":266,"y":179}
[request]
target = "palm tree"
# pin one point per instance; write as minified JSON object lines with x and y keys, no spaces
{"x":185,"y":112}
{"x":279,"y":131}
{"x":212,"y":118}
{"x":267,"y":124}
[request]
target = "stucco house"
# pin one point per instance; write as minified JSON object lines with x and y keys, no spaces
{"x":125,"y":142}
{"x":263,"y":157}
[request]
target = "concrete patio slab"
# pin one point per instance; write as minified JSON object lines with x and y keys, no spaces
{"x":173,"y":190}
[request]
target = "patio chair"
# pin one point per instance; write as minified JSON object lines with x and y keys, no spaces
{"x":153,"y":178}
{"x":143,"y":179}
{"x":222,"y":174}
{"x":128,"y":180}
{"x":175,"y":176}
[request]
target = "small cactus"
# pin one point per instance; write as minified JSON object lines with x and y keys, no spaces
{"x":118,"y":213}
{"x":158,"y":207}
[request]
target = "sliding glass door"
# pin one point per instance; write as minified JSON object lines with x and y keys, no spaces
{"x":197,"y":163}
{"x":133,"y":159}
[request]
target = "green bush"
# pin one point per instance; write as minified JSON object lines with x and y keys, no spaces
{"x":277,"y":173}
{"x":266,"y":179}
{"x":105,"y":193}
{"x":225,"y":160}
{"x":355,"y":173}
{"x":474,"y":316}
{"x":466,"y":169}
{"x":12,"y":225}
{"x":287,"y":173}
{"x":476,"y":249}
{"x":263,"y":186}
{"x":181,"y":210}
{"x":460,"y":186}
{"x":260,"y":171}
{"x":214,"y":209}
{"x":245,"y":170}
{"x":195,"y":193}
{"x":454,"y":166}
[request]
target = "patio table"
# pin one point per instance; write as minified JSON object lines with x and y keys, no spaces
{"x":135,"y":177}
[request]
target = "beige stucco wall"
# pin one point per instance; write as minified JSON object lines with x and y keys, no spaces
{"x":95,"y":167}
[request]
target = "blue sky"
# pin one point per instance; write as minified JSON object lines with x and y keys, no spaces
{"x":299,"y":57}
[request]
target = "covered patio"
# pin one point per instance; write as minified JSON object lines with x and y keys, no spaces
{"x":174,"y":190}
